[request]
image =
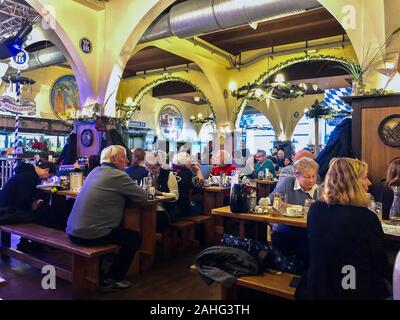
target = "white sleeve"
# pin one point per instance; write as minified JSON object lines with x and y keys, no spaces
{"x":172,"y":186}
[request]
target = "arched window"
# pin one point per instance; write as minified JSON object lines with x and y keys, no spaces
{"x":257,"y":129}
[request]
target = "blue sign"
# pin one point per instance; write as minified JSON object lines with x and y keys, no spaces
{"x":20,"y":60}
{"x":137,"y":124}
{"x":86,"y":45}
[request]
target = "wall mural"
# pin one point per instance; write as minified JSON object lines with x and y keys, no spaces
{"x":171,"y":122}
{"x":64,"y":98}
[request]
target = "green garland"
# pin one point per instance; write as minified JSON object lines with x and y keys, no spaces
{"x":264,"y":76}
{"x":317,"y":110}
{"x":162,"y":80}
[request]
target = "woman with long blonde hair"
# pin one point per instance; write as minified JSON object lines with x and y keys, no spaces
{"x":347,"y":257}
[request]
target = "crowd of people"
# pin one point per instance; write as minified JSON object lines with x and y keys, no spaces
{"x":341,"y":229}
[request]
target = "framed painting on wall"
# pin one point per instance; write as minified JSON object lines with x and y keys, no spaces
{"x":64,"y":98}
{"x":171,"y":122}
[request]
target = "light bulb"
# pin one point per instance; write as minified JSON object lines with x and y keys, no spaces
{"x":232,"y":86}
{"x":200,"y":116}
{"x":280,"y":78}
{"x":129,"y":101}
{"x":315,"y":87}
{"x":258,"y":93}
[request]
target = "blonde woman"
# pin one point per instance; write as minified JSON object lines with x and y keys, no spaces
{"x":347,"y":257}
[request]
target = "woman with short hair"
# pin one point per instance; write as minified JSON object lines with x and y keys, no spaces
{"x":297,"y":189}
{"x":166,"y":185}
{"x":347,"y":257}
{"x":190,"y":181}
{"x":137,"y":170}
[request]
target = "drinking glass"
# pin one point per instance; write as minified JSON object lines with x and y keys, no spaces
{"x":307,"y":205}
{"x":378,"y":209}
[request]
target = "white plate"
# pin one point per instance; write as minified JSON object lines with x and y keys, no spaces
{"x":46,"y":186}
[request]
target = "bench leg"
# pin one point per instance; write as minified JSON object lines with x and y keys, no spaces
{"x":78,"y":277}
{"x":209,"y":232}
{"x":5,"y":241}
{"x":231,"y":293}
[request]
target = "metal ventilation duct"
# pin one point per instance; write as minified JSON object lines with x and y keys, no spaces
{"x":44,"y":58}
{"x":197,"y":17}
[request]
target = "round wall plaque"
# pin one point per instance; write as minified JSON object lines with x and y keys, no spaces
{"x":87,"y":137}
{"x":389,"y":130}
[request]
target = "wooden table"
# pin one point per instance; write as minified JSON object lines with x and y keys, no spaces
{"x":264,"y":188}
{"x":213,"y":198}
{"x":140,"y":217}
{"x":225,"y":212}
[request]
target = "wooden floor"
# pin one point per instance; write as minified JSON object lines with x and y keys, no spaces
{"x":166,"y":280}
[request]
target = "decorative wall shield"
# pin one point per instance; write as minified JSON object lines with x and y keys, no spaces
{"x":389,"y":130}
{"x":171,"y":122}
{"x":64,"y":98}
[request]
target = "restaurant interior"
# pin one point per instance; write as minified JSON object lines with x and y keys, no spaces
{"x":200,"y":150}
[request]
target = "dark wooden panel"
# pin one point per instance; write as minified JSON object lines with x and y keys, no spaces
{"x":314,"y":24}
{"x":373,"y":150}
{"x":152,"y":58}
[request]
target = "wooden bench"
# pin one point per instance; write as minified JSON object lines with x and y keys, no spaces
{"x":84,"y":271}
{"x":205,"y":222}
{"x":271,"y":282}
{"x":177,"y":237}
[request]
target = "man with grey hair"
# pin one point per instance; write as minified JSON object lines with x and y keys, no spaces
{"x":98,"y":211}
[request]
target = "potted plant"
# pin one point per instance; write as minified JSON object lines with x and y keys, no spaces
{"x":370,"y":61}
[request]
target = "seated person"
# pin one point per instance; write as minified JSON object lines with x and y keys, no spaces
{"x":98,"y":212}
{"x":20,"y":190}
{"x":342,"y":231}
{"x":221,"y":161}
{"x":263,"y":163}
{"x":288,"y":170}
{"x":189,"y":183}
{"x":37,"y":160}
{"x":166,"y":185}
{"x":137,"y":170}
{"x":288,"y":162}
{"x":293,"y":240}
{"x":4,"y":154}
{"x":384,"y":192}
{"x":21,"y":194}
{"x":280,"y":158}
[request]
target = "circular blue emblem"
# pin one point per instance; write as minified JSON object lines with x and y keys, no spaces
{"x":86,"y":45}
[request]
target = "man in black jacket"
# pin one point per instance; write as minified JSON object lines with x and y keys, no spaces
{"x":20,"y":195}
{"x":20,"y":190}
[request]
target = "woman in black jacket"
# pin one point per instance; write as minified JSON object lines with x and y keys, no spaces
{"x":347,"y":257}
{"x":384,"y":192}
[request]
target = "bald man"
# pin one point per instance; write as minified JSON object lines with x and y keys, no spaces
{"x":288,"y":170}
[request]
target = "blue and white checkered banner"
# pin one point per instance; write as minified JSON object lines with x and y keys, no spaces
{"x":333,"y":99}
{"x":255,"y":121}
